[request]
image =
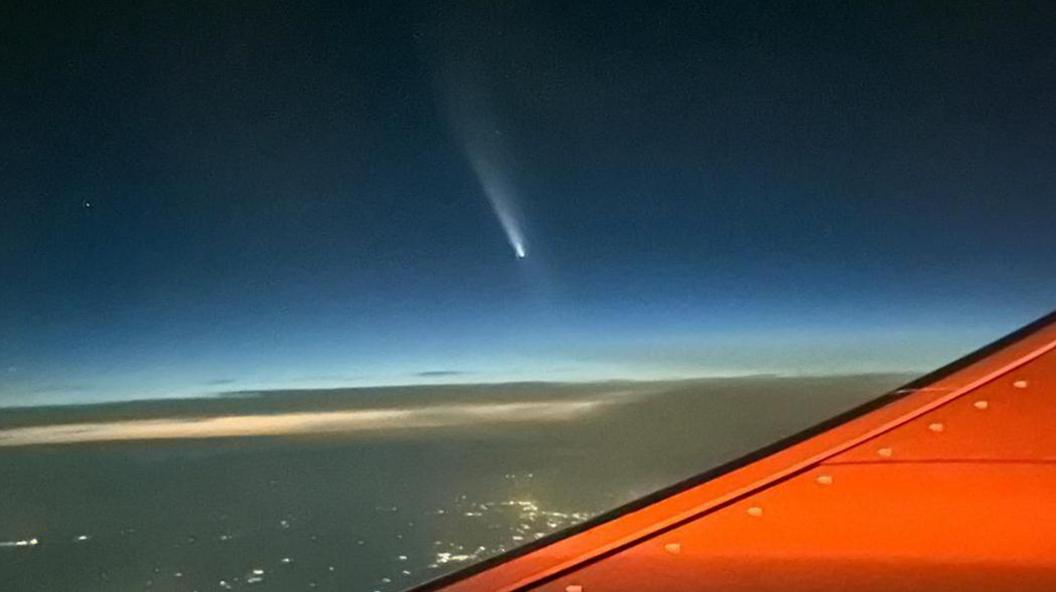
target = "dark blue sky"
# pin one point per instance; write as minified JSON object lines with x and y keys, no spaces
{"x":216,"y":196}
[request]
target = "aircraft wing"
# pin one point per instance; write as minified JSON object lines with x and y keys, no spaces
{"x":946,"y":484}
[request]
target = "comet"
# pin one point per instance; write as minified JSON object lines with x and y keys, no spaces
{"x":471,"y":117}
{"x":498,"y":188}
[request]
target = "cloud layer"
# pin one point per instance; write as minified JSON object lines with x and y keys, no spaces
{"x":287,"y":424}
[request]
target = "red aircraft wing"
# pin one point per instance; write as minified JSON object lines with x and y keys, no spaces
{"x":946,"y":484}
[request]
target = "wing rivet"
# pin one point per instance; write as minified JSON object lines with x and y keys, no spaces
{"x":1021,"y":384}
{"x":936,"y":427}
{"x":573,"y":588}
{"x":824,"y":479}
{"x":755,"y":511}
{"x":885,"y":452}
{"x":981,"y":404}
{"x":673,"y":548}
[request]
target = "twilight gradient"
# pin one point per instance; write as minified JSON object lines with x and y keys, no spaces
{"x":207,"y":199}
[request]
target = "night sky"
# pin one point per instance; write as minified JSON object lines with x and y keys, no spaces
{"x":205,"y":197}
